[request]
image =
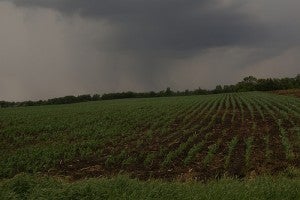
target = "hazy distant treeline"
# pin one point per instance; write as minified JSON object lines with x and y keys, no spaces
{"x":249,"y":83}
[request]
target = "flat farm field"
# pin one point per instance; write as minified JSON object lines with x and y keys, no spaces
{"x":182,"y":138}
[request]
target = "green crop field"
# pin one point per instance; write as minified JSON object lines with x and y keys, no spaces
{"x":194,"y":138}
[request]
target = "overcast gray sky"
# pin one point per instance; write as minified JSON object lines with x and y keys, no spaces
{"x":51,"y":48}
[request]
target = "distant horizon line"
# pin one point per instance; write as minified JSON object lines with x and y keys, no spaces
{"x":159,"y":93}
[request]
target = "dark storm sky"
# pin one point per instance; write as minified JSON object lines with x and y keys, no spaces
{"x":51,"y":48}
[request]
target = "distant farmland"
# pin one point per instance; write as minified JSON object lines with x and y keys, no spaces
{"x":195,"y":137}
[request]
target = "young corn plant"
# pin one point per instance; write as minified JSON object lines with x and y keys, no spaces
{"x":115,"y":159}
{"x":129,"y":161}
{"x":231,"y":147}
{"x":227,"y":105}
{"x":110,"y":161}
{"x":211,"y":152}
{"x":214,"y":117}
{"x":233,"y":103}
{"x":246,"y":102}
{"x":173,"y":154}
{"x":282,"y":132}
{"x":193,"y":152}
{"x":258,"y":108}
{"x":240,"y":104}
{"x":286,"y":144}
{"x":149,"y":159}
{"x":268,"y":151}
{"x":249,"y":144}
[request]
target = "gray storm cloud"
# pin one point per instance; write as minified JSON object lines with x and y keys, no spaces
{"x":170,"y":25}
{"x":52,"y":48}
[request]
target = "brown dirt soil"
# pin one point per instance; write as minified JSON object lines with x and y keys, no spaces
{"x":291,"y":92}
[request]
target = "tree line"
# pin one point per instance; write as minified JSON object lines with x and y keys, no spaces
{"x":249,"y":83}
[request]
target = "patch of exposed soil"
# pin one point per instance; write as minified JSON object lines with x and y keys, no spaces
{"x":291,"y":92}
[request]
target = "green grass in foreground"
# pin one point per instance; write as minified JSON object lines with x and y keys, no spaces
{"x":25,"y":186}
